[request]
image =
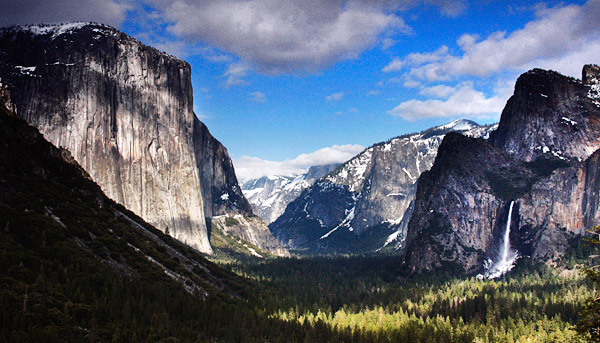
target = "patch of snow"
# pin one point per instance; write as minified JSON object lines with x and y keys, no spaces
{"x":594,"y":94}
{"x":55,"y":30}
{"x":408,"y":174}
{"x":27,"y":70}
{"x":345,"y":223}
{"x":544,"y":95}
{"x":225,"y":196}
{"x":252,"y":251}
{"x":387,"y":147}
{"x":458,"y":125}
{"x":396,"y":195}
{"x":569,"y":121}
{"x":391,"y":238}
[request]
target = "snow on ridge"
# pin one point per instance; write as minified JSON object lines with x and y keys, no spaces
{"x":55,"y":29}
{"x":458,"y":125}
{"x":594,"y":94}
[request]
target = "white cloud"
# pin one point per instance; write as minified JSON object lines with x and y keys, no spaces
{"x":387,"y":43}
{"x":335,"y":96}
{"x":410,"y":83}
{"x":247,"y":167}
{"x":110,"y":12}
{"x":439,"y":91}
{"x":235,"y":73}
{"x":461,"y":101}
{"x":283,"y":36}
{"x":258,"y":96}
{"x":554,"y":36}
{"x":394,"y":65}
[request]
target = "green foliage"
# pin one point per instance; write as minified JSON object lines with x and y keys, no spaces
{"x":589,"y":325}
{"x":76,"y":267}
{"x":369,"y":298}
{"x":230,"y":221}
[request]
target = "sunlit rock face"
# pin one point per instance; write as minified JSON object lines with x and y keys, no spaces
{"x":364,"y":204}
{"x":125,"y":111}
{"x":543,"y":156}
{"x":252,"y":230}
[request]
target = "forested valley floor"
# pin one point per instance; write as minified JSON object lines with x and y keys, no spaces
{"x":366,"y":299}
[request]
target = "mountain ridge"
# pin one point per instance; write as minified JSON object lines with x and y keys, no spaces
{"x":370,"y":192}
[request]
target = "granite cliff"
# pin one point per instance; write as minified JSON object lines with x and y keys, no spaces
{"x":125,"y":112}
{"x":543,"y":157}
{"x":364,"y":204}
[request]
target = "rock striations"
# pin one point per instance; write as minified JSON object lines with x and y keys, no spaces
{"x":364,"y":204}
{"x":125,"y":111}
{"x":543,"y":156}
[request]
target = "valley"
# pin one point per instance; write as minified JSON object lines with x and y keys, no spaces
{"x":122,"y":219}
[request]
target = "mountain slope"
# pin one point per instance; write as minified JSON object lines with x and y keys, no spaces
{"x":125,"y":112}
{"x":362,"y":205}
{"x":270,"y":195}
{"x":77,"y":266}
{"x":541,"y":157}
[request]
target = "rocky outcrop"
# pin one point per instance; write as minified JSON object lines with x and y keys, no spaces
{"x":361,"y":205}
{"x":252,"y":230}
{"x":125,"y":111}
{"x":549,"y":113}
{"x":220,"y":189}
{"x":270,"y":195}
{"x":551,"y":174}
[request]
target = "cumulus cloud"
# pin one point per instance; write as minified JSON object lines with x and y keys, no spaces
{"x":247,"y":167}
{"x":439,"y":91}
{"x":394,"y":65}
{"x":258,"y":96}
{"x":335,"y":96}
{"x":554,"y":35}
{"x":283,"y":36}
{"x":460,"y":101}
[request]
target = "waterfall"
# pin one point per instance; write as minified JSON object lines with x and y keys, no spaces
{"x":507,"y":256}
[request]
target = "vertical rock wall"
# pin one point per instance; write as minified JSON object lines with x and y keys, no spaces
{"x":123,"y":109}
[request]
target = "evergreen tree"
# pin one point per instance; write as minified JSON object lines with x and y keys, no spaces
{"x":589,"y":324}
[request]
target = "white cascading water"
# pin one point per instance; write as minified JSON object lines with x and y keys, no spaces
{"x":507,"y":256}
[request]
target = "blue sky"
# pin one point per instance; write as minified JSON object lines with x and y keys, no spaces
{"x":287,"y":84}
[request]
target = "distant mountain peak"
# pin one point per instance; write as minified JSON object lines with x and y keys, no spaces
{"x":365,"y":203}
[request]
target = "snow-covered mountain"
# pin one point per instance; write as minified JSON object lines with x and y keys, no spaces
{"x":270,"y":195}
{"x":365,"y":203}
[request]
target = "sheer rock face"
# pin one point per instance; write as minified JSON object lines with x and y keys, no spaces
{"x":550,"y":112}
{"x":551,"y":173}
{"x":270,"y":195}
{"x":364,"y":204}
{"x":125,"y":111}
